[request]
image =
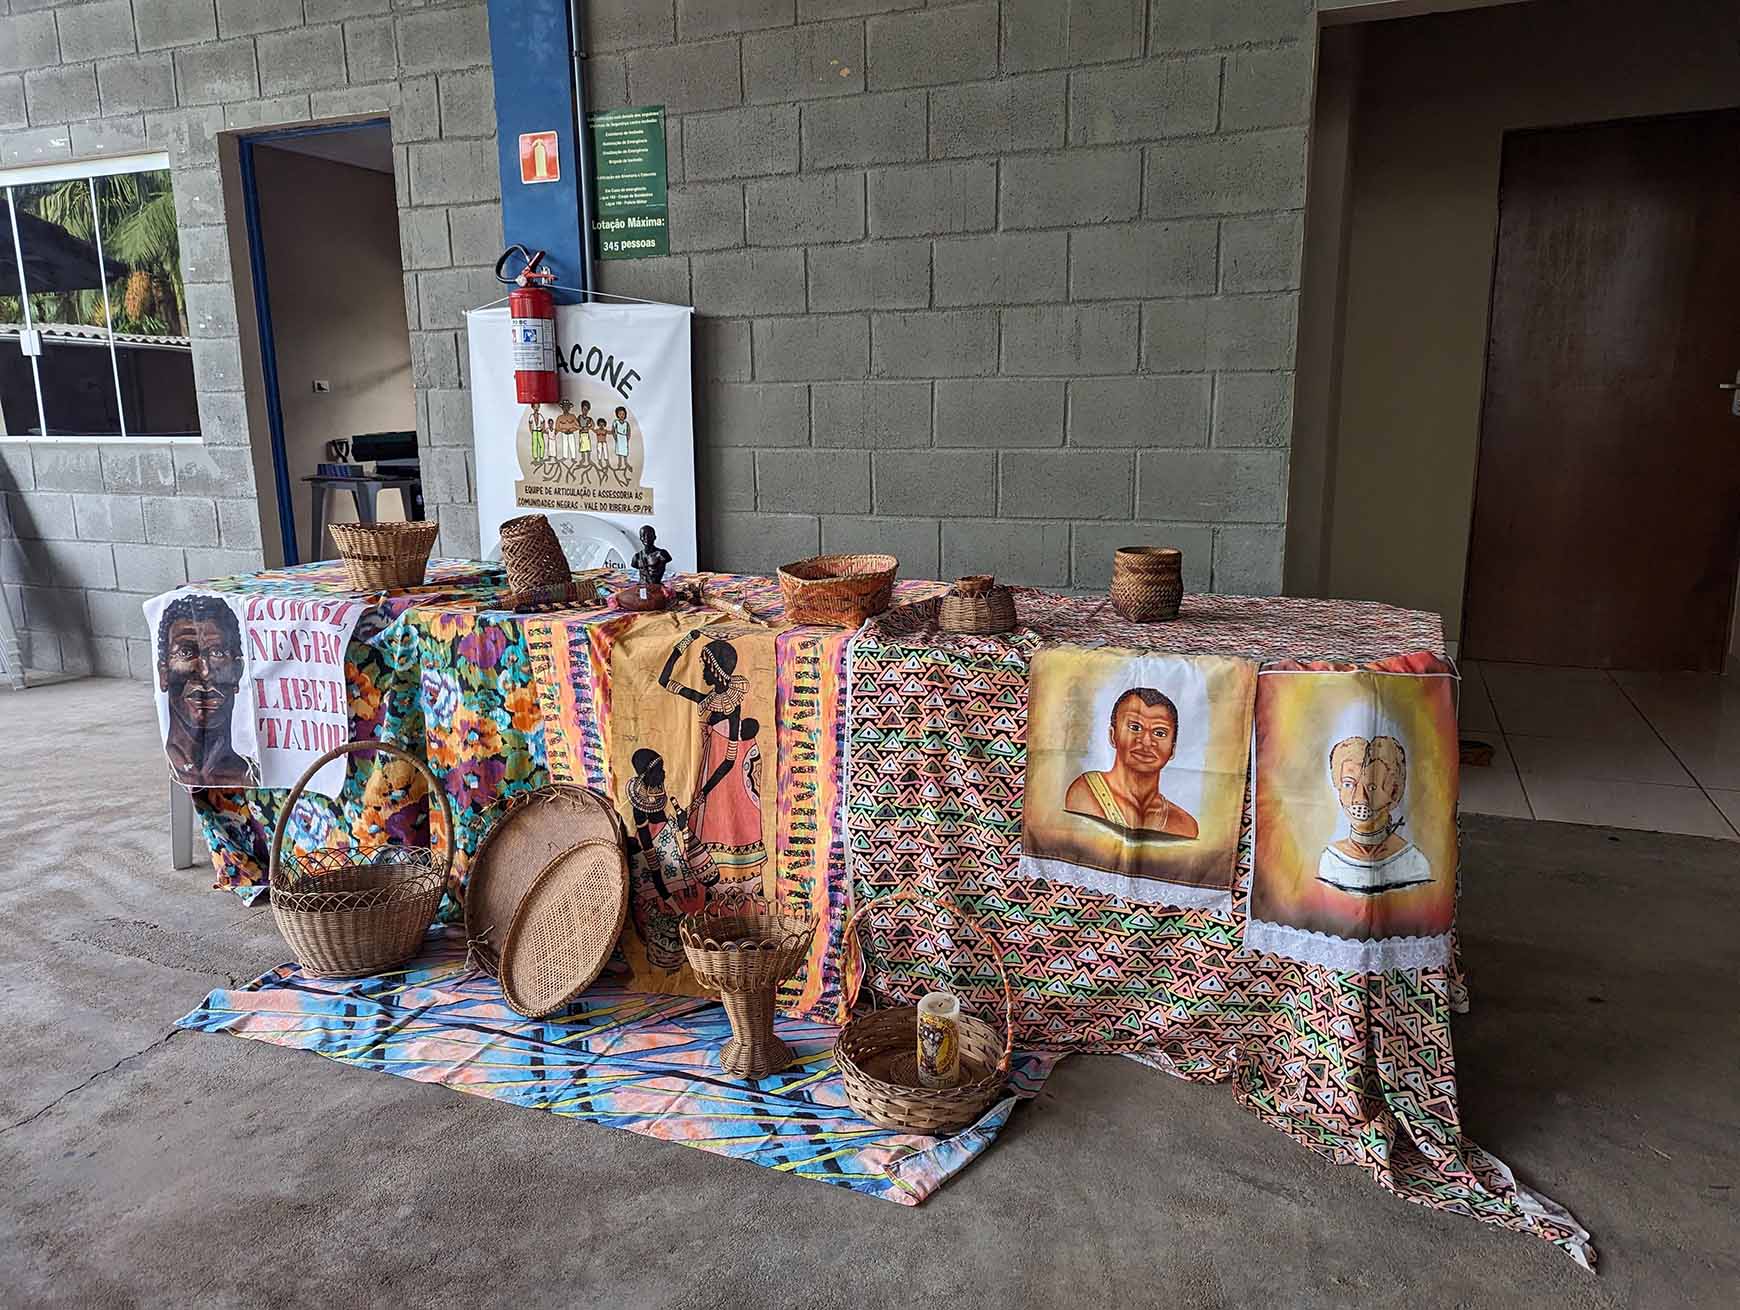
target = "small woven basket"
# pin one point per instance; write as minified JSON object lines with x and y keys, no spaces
{"x":977,"y":606}
{"x":385,"y":556}
{"x":744,"y":953}
{"x":349,"y":914}
{"x":532,"y":554}
{"x":837,"y":590}
{"x":876,"y":1052}
{"x":1147,"y":582}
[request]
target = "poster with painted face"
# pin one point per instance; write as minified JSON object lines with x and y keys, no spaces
{"x":1355,"y":842}
{"x":1136,"y":769}
{"x":201,"y":670}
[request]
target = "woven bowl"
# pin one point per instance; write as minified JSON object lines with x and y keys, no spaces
{"x":743,"y":950}
{"x":837,"y":590}
{"x":385,"y":556}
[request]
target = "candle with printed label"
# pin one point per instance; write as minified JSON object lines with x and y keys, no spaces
{"x":939,"y":1040}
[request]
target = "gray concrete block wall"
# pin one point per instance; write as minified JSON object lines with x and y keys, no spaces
{"x":998,"y":285}
{"x":87,"y":532}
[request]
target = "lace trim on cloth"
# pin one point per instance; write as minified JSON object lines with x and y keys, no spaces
{"x":1137,"y":891}
{"x":1345,"y":954}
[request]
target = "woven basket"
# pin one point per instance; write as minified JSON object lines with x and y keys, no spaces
{"x":565,"y":928}
{"x":977,"y":606}
{"x":876,"y":1052}
{"x":744,"y":954}
{"x":385,"y":556}
{"x":532,"y":554}
{"x":837,"y":590}
{"x":1147,"y":582}
{"x":351,"y":914}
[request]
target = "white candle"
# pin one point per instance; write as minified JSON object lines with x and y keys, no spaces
{"x":939,"y":1040}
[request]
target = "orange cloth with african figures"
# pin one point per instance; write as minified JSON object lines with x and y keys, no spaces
{"x":691,"y":748}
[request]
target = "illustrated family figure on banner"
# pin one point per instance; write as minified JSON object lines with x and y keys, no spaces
{"x":580,"y":446}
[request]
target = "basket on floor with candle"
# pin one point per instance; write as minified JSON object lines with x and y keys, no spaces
{"x":878,"y":1052}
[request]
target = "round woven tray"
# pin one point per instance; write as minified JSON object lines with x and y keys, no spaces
{"x":349,"y":914}
{"x":744,"y":953}
{"x":385,"y":556}
{"x":837,"y":590}
{"x":565,"y":928}
{"x":877,"y":1052}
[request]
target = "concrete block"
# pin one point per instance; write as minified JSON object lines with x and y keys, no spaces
{"x":936,"y":483}
{"x":475,"y":235}
{"x":161,"y":23}
{"x":1023,"y":554}
{"x":914,"y":542}
{"x":740,"y":283}
{"x":141,"y":660}
{"x":1267,"y":88}
{"x":988,"y":118}
{"x":70,"y":563}
{"x":381,"y":98}
{"x":869,"y":129}
{"x":804,"y":63}
{"x":444,"y":295}
{"x":1140,"y":102}
{"x":108,"y":656}
{"x":199,"y":200}
{"x":190,"y":136}
{"x":1143,"y":259}
{"x":755,"y":414}
{"x":459,"y":537}
{"x":60,"y":95}
{"x":28,"y":41}
{"x":211,"y":309}
{"x":1261,"y":253}
{"x":725,"y":476}
{"x":1202,"y":24}
{"x":1140,"y":411}
{"x":1254,"y":409}
{"x":1072,"y":189}
{"x":449,"y":415}
{"x":40,"y":650}
{"x":753,"y":142}
{"x":118,"y":613}
{"x":206,"y":563}
{"x":1009,"y":268}
{"x":1213,"y":486}
{"x":999,"y":412}
{"x":39,"y":145}
{"x":722,"y":349}
{"x":932,"y":199}
{"x":223,"y":418}
{"x":1238,"y":332}
{"x":676,"y":170}
{"x":55,"y":609}
{"x":686,"y":79}
{"x":41,"y":515}
{"x":706,"y":216}
{"x":213,"y":470}
{"x":870,"y":415}
{"x":940,"y":343}
{"x":607,"y":87}
{"x":324,"y":11}
{"x":217,"y":365}
{"x":699,"y":19}
{"x":1070,"y":339}
{"x":110,"y":136}
{"x":1053,"y":33}
{"x":1073,"y":484}
{"x":67,"y":468}
{"x":305,"y":59}
{"x":104,"y":517}
{"x":178,"y":521}
{"x":16,"y":471}
{"x":932,"y":47}
{"x":440,"y":40}
{"x":1094,"y":545}
{"x":454,"y":172}
{"x":12,"y":111}
{"x":147,"y":469}
{"x":757,"y":543}
{"x":416,"y":110}
{"x":238,"y":524}
{"x":814,"y":207}
{"x":1226,"y":174}
{"x":446,"y":475}
{"x":1248,"y":560}
{"x":371,"y":54}
{"x":95,"y":31}
{"x":251,"y":17}
{"x":423,"y":238}
{"x":812,"y":481}
{"x":665,"y":279}
{"x":211,"y":74}
{"x":620,"y":24}
{"x":813,"y":348}
{"x":809,"y":11}
{"x":876,"y":275}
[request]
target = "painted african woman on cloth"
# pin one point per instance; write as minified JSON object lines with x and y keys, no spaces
{"x":1356,"y":783}
{"x":691,"y":761}
{"x":1136,"y":771}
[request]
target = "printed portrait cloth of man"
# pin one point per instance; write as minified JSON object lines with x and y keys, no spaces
{"x":1355,"y":843}
{"x":1136,"y":768}
{"x":201,"y":671}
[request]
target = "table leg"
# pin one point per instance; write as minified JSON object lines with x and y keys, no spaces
{"x":181,"y":821}
{"x":364,"y":495}
{"x":317,"y":508}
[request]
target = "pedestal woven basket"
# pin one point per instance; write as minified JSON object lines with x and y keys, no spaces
{"x":837,"y":590}
{"x":744,"y":954}
{"x":977,"y":606}
{"x":385,"y":556}
{"x":349,"y":914}
{"x":532,"y":554}
{"x":876,"y":1052}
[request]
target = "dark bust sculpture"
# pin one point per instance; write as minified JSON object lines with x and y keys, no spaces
{"x":649,"y":564}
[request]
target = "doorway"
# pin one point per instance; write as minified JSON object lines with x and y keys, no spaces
{"x":1606,"y":528}
{"x":322,"y":234}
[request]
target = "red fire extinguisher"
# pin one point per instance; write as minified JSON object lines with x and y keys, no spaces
{"x":532,"y":312}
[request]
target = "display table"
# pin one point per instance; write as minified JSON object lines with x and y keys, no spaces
{"x":899,"y":755}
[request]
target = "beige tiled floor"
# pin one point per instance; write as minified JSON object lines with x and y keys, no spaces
{"x":1656,"y":751}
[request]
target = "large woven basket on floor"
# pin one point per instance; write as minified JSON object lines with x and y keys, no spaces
{"x":877,"y":1051}
{"x":837,"y":590}
{"x":744,"y":953}
{"x":349,"y":914}
{"x":385,"y":556}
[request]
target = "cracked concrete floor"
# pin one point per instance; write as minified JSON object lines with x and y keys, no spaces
{"x":1600,"y":1060}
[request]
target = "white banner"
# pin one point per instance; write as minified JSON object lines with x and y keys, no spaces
{"x":619,"y":448}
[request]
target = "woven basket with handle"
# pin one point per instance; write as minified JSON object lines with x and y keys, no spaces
{"x":877,"y":1052}
{"x":385,"y":556}
{"x":837,"y":590}
{"x":349,"y":914}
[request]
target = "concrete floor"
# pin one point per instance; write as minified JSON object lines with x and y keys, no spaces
{"x":142,"y":1168}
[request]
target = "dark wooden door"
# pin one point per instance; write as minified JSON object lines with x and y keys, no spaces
{"x":1607,"y":503}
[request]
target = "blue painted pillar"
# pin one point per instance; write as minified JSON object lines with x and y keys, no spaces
{"x":532,"y":57}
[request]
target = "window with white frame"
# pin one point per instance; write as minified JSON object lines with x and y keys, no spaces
{"x":93,"y":316}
